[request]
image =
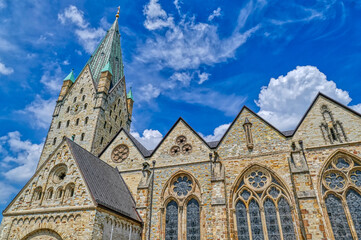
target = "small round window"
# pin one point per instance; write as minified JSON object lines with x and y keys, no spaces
{"x":59,"y":173}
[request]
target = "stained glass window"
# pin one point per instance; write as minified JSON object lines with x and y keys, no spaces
{"x":271,"y":220}
{"x":193,"y":220}
{"x":242,"y":222}
{"x":354,"y":204}
{"x":286,"y":220}
{"x":171,"y":221}
{"x":336,"y":214}
{"x":182,"y":186}
{"x":256,"y":222}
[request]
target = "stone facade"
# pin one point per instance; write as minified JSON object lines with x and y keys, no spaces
{"x":255,"y":182}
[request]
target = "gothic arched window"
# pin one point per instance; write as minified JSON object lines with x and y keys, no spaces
{"x":181,"y":196}
{"x":262,"y":207}
{"x":340,"y":186}
{"x":171,"y":221}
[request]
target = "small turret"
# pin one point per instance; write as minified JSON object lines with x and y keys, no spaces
{"x":68,"y":81}
{"x":104,"y":86}
{"x":130,"y":101}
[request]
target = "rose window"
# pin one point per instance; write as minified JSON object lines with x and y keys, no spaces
{"x":186,"y":148}
{"x":120,"y":153}
{"x":174,"y":150}
{"x":356,"y":177}
{"x":335,"y":180}
{"x":182,"y":186}
{"x":257,"y":179}
{"x":181,"y":140}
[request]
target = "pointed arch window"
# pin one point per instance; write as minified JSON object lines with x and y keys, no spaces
{"x":183,"y":206}
{"x":340,"y":188}
{"x":171,"y":221}
{"x":262,"y":209}
{"x":86,"y":120}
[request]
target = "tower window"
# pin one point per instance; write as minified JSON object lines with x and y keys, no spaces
{"x":118,"y":101}
{"x":110,"y":129}
{"x":59,"y":124}
{"x":333,"y":134}
{"x":68,"y":109}
{"x":83,"y":98}
{"x":120,"y":111}
{"x":74,"y":99}
{"x":82,"y":136}
{"x":85,"y":106}
{"x":67,"y":123}
{"x":54,"y":141}
{"x":77,"y":122}
{"x":101,"y":140}
{"x":115,"y":106}
{"x":81,"y":90}
{"x":121,"y":123}
{"x":116,"y":117}
{"x":110,"y":113}
{"x":86,"y":121}
{"x":105,"y":124}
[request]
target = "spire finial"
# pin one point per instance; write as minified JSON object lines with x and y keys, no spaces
{"x":117,"y":12}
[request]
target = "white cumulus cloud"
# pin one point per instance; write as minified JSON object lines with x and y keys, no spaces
{"x":88,"y":37}
{"x":215,"y":13}
{"x":150,"y":138}
{"x":148,"y":92}
{"x":39,"y":112}
{"x":286,"y":98}
{"x":5,"y":70}
{"x":203,"y":77}
{"x":19,"y":157}
{"x":156,"y":17}
{"x":217,"y":133}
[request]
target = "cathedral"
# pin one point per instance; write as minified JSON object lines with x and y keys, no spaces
{"x":95,"y":181}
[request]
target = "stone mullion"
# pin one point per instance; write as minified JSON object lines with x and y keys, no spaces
{"x":279,"y":220}
{"x":249,"y":223}
{"x":180,"y":222}
{"x":349,"y":218}
{"x":263,"y":221}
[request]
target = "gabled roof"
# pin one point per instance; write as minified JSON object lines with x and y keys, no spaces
{"x":145,"y":152}
{"x":104,"y":182}
{"x":170,"y":130}
{"x":313,"y":103}
{"x":255,"y":114}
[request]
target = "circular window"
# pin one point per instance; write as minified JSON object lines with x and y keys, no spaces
{"x":182,"y":185}
{"x":174,"y":150}
{"x":257,"y":179}
{"x":120,"y":153}
{"x":186,"y":149}
{"x":181,"y":140}
{"x":59,"y":173}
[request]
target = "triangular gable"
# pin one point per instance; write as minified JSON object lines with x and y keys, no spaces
{"x":309,"y":128}
{"x":105,"y":183}
{"x":256,"y":115}
{"x":142,"y":150}
{"x":193,"y":149}
{"x":264,"y":135}
{"x":180,"y":119}
{"x":44,"y":178}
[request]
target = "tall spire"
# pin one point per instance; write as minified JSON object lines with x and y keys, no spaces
{"x":108,"y":52}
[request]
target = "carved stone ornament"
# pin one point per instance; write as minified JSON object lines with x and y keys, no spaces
{"x":120,"y":153}
{"x":75,"y":109}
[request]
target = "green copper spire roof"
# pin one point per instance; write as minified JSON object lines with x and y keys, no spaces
{"x":70,"y":76}
{"x":108,"y":52}
{"x":107,"y":68}
{"x":130,"y":94}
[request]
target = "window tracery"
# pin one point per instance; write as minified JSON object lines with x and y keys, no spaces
{"x":332,"y":130}
{"x":340,"y":184}
{"x":181,"y":204}
{"x":262,"y":207}
{"x":181,"y":146}
{"x":120,"y":153}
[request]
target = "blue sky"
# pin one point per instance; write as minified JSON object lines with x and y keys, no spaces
{"x":202,"y":60}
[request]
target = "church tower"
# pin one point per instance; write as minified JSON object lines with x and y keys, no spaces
{"x":92,"y":107}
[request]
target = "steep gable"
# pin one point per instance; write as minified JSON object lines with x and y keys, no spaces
{"x":181,"y":145}
{"x":266,"y":138}
{"x":57,"y":183}
{"x":323,"y":115}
